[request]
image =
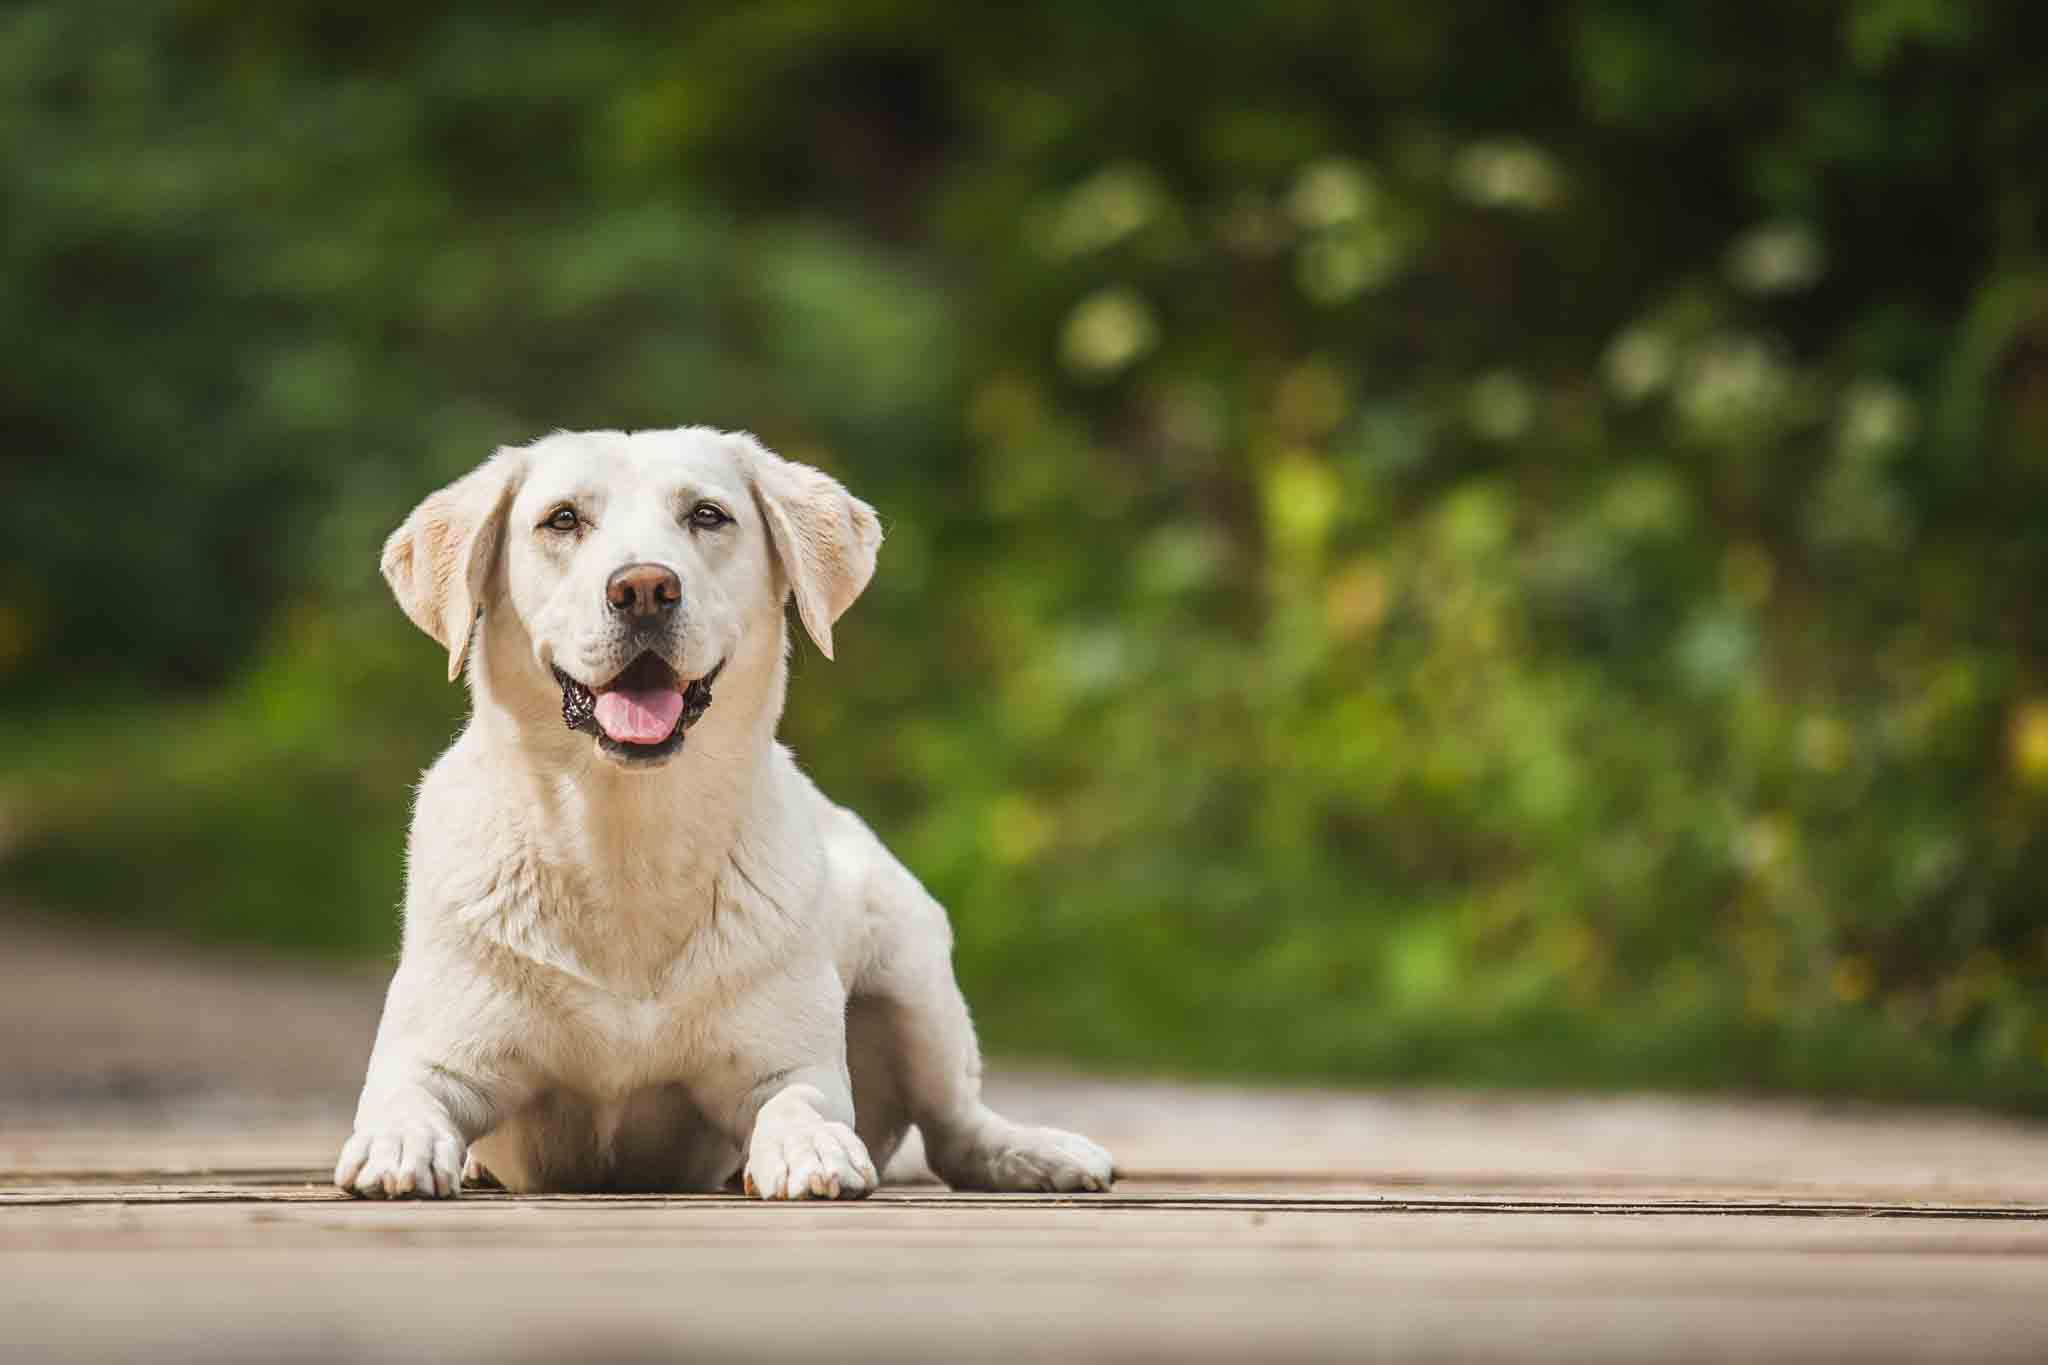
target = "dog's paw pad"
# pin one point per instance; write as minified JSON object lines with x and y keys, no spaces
{"x":1049,"y":1160}
{"x":822,"y":1161}
{"x":409,"y":1161}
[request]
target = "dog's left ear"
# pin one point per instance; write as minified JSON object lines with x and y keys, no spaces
{"x":439,"y":562}
{"x":824,"y":536}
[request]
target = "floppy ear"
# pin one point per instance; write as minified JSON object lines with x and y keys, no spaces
{"x":439,"y":562}
{"x":824,"y":536}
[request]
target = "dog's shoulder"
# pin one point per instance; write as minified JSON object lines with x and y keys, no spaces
{"x":455,"y":802}
{"x":802,"y":813}
{"x":877,"y":908}
{"x":470,"y":853}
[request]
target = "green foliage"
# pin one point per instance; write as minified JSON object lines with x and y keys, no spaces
{"x":1463,"y":542}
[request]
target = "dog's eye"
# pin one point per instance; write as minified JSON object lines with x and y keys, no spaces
{"x":708,"y":516}
{"x":562,"y":519}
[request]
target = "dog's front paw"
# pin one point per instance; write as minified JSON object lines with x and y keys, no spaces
{"x":402,"y":1161}
{"x":1014,"y":1159}
{"x":817,"y":1161}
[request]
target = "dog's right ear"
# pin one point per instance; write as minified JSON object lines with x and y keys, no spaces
{"x":439,"y":562}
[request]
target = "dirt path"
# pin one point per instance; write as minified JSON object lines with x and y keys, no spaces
{"x":165,"y":1121}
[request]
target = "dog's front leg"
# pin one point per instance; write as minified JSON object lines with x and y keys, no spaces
{"x":802,"y":1144}
{"x":786,"y":1095}
{"x":422,"y":1105}
{"x":407,"y":1143}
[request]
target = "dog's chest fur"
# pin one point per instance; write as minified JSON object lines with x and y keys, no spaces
{"x":620,"y":1009}
{"x":623,"y":956}
{"x":627,"y":978}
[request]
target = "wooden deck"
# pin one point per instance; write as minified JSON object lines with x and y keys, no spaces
{"x":164,"y":1136}
{"x":1871,"y":1237}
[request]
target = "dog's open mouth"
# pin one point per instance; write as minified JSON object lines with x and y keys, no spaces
{"x":643,"y":712}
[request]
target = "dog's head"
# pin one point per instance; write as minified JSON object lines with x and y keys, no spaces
{"x":634,"y":568}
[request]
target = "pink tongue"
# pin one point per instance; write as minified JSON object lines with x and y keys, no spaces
{"x":639,"y":717}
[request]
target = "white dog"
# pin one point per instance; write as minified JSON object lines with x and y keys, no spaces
{"x":642,"y":952}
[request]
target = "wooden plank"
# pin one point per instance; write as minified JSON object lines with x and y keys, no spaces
{"x":519,"y":1280}
{"x":189,"y":1219}
{"x":266,"y":1264}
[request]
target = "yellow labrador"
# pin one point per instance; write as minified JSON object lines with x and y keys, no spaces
{"x":642,"y":952}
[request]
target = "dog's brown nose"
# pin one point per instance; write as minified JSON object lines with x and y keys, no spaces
{"x":643,"y":590}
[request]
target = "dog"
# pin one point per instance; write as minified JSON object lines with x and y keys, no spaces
{"x":641,"y":951}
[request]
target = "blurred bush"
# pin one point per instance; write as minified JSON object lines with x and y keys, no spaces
{"x":1476,"y":542}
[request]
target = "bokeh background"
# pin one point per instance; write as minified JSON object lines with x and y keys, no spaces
{"x":1487,"y":543}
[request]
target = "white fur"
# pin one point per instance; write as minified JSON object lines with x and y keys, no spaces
{"x":668,"y":977}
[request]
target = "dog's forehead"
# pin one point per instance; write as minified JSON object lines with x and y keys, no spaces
{"x":641,"y":463}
